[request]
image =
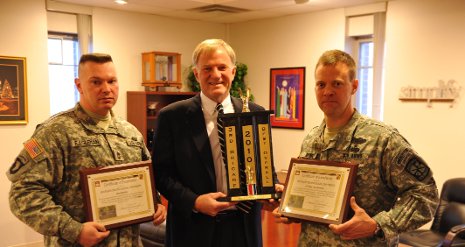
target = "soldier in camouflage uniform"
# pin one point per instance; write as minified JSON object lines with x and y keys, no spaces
{"x":394,"y":191}
{"x":45,"y":192}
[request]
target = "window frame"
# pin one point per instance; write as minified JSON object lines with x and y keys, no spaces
{"x":356,"y":48}
{"x":56,"y":96}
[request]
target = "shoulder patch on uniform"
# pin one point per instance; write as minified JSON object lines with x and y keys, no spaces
{"x":417,"y":168}
{"x":18,"y":164}
{"x":33,"y":148}
{"x":16,"y":168}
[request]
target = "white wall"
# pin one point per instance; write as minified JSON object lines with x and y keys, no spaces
{"x":23,"y":25}
{"x":424,"y":44}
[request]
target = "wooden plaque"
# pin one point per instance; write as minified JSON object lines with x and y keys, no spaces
{"x":318,"y":191}
{"x":119,"y":195}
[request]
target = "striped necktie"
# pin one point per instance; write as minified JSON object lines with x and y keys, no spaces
{"x":244,"y":206}
{"x":219,"y":123}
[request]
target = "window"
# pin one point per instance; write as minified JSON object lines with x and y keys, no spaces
{"x":365,"y":42}
{"x":63,"y":56}
{"x":369,"y":97}
{"x":364,"y":96}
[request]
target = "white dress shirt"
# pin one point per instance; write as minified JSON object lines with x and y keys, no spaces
{"x":210,"y":114}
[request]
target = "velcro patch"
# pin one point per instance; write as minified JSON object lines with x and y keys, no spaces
{"x":33,"y":148}
{"x":85,"y":142}
{"x":134,"y":143}
{"x":417,"y":168}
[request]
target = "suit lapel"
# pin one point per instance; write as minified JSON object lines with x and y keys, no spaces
{"x":195,"y":122}
{"x":196,"y":125}
{"x":237,"y":104}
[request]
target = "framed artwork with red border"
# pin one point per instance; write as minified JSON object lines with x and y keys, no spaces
{"x":287,"y":97}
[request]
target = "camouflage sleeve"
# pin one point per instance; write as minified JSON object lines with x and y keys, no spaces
{"x":306,"y":143}
{"x":417,"y":196}
{"x":34,"y":176}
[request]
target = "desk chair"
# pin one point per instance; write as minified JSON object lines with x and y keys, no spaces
{"x":448,"y":228}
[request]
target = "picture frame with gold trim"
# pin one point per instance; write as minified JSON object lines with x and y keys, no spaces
{"x":13,"y":91}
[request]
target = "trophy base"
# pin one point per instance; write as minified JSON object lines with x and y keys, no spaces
{"x":274,"y":196}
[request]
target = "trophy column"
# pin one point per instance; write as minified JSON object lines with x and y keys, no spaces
{"x":249,"y":156}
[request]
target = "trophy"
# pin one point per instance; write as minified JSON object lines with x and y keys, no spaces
{"x":247,"y":153}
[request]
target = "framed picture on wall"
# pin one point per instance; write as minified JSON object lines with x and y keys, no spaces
{"x":287,"y":97}
{"x":13,"y":90}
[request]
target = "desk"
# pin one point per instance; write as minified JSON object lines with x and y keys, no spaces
{"x":278,"y":234}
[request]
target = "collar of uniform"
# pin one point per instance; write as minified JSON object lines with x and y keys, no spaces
{"x":90,"y":124}
{"x":344,"y":137}
{"x":210,"y":105}
{"x":351,"y":126}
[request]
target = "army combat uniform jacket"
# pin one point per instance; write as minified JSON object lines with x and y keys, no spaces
{"x":393,"y":184}
{"x":45,"y":192}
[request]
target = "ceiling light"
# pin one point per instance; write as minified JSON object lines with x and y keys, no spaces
{"x":122,"y":2}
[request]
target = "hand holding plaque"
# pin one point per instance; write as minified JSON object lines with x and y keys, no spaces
{"x":119,"y":195}
{"x":318,"y":191}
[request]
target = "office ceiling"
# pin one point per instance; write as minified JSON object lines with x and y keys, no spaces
{"x":222,"y":11}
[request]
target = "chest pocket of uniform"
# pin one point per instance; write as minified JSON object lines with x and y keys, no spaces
{"x":87,"y":152}
{"x":135,"y":150}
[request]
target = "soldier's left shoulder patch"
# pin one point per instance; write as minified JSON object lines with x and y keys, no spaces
{"x":33,"y":148}
{"x":16,"y":168}
{"x":417,"y":168}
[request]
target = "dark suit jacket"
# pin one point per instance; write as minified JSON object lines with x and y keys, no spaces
{"x":184,"y":169}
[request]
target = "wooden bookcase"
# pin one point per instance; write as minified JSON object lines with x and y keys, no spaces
{"x":137,"y":108}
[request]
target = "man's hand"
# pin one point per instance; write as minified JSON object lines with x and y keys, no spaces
{"x":360,"y":226}
{"x":92,"y":233}
{"x":279,"y":218}
{"x":207,"y":203}
{"x":160,"y":215}
{"x":271,"y":204}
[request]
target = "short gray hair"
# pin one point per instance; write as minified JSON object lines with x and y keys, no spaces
{"x":209,"y":46}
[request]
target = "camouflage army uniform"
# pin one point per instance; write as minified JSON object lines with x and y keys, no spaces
{"x":45,"y":192}
{"x":393,"y":184}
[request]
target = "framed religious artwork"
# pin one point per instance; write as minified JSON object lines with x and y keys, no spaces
{"x":287,"y":97}
{"x":13,"y":90}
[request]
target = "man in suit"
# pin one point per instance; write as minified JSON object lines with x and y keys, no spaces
{"x":189,"y":170}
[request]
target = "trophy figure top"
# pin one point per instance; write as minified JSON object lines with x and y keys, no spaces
{"x":250,"y":175}
{"x":245,"y":100}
